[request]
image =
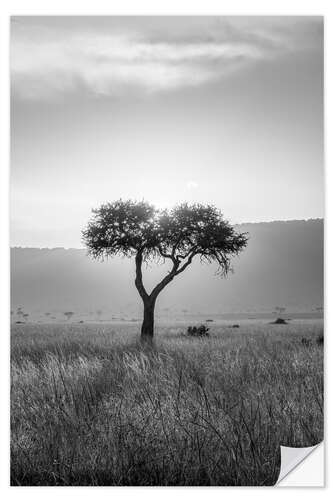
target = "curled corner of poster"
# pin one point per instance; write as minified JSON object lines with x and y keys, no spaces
{"x":302,"y":466}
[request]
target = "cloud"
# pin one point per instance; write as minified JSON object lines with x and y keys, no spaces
{"x":46,"y":61}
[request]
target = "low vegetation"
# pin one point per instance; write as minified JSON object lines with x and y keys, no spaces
{"x":92,"y":407}
{"x":198,"y":331}
{"x":279,"y":321}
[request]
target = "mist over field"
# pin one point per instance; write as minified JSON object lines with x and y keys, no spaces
{"x":282,"y":266}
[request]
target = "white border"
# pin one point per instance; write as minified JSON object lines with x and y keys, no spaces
{"x":139,"y":7}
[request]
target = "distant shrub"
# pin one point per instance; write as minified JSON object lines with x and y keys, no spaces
{"x":320,"y":339}
{"x":198,"y":331}
{"x":209,"y":320}
{"x":279,"y":321}
{"x":306,"y":342}
{"x":68,"y":314}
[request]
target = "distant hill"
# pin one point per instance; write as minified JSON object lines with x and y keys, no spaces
{"x":282,"y":266}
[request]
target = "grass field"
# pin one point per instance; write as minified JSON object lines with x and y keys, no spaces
{"x":89,"y":406}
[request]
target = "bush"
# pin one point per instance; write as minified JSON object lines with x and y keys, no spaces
{"x":198,"y":331}
{"x":320,"y":339}
{"x":279,"y":321}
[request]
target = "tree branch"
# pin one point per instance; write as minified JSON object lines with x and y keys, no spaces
{"x":138,"y":278}
{"x":169,"y":277}
{"x":167,"y":255}
{"x":192,"y":249}
{"x":186,"y":264}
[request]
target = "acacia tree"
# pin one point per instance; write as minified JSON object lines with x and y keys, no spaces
{"x":139,"y":230}
{"x":68,"y":314}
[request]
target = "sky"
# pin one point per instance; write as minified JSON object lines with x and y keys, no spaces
{"x":222,"y":110}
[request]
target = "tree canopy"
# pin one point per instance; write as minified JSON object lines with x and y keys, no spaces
{"x":128,"y":227}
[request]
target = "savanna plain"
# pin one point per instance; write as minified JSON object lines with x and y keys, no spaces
{"x":91,"y":406}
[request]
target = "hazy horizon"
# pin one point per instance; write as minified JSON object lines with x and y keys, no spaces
{"x":236,"y":226}
{"x":222,"y":110}
{"x":283,"y":261}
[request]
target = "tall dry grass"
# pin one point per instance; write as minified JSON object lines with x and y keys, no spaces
{"x":91,"y":407}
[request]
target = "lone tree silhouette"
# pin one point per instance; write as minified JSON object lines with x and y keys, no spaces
{"x":137,"y":229}
{"x":68,"y":314}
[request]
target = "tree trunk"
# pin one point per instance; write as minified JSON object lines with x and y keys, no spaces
{"x":147,"y":328}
